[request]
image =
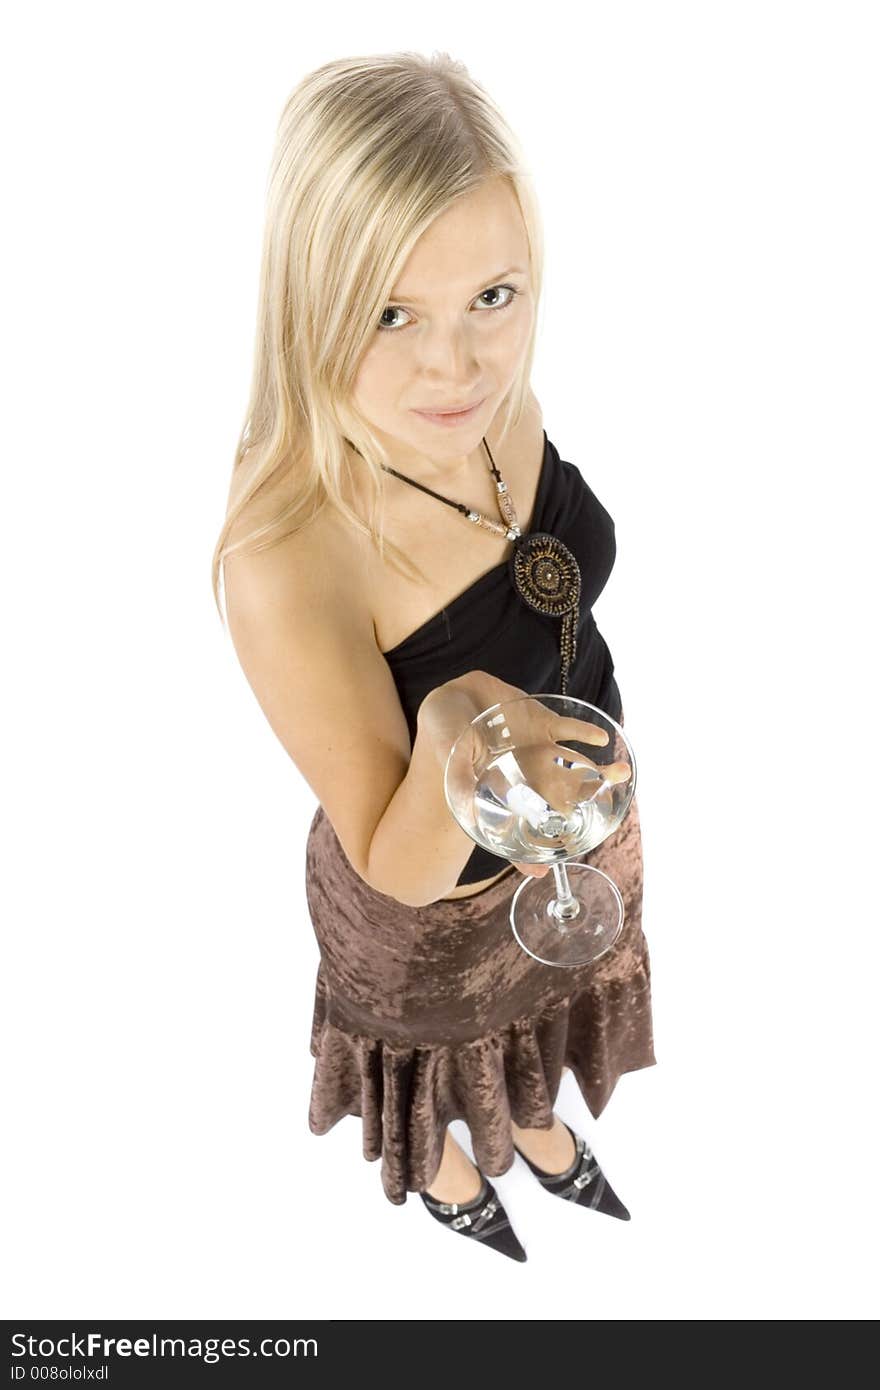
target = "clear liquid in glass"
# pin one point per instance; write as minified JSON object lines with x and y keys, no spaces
{"x":577,"y":817}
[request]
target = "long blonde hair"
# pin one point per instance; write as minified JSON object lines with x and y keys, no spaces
{"x":368,"y":152}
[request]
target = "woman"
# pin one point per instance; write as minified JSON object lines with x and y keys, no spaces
{"x":390,"y":409}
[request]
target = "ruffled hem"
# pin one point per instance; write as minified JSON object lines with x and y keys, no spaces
{"x":407,"y":1095}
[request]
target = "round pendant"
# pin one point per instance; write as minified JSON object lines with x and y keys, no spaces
{"x":546,"y":574}
{"x":547,"y":577}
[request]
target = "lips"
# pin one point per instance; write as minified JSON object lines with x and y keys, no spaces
{"x":447,"y":409}
{"x":450,"y":417}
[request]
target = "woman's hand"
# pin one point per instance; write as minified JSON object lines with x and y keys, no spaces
{"x":447,"y":711}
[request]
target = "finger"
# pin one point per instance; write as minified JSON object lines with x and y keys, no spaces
{"x":617,"y":772}
{"x":580,"y":730}
{"x":612,"y":772}
{"x":532,"y":870}
{"x":525,"y":717}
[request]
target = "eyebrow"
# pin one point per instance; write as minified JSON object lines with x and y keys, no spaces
{"x":490,"y":280}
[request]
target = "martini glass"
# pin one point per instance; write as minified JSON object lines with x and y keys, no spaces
{"x":544,"y":779}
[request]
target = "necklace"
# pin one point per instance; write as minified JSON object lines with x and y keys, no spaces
{"x":542,"y":569}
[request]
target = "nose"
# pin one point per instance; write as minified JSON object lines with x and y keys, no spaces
{"x":448,"y":362}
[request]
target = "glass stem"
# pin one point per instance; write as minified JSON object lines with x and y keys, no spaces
{"x":565,"y":905}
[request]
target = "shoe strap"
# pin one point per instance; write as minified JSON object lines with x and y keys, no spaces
{"x":485,"y":1215}
{"x":588,"y":1170}
{"x":453,"y":1208}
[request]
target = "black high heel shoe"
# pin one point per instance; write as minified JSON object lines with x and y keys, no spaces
{"x":584,"y":1182}
{"x":484,"y":1219}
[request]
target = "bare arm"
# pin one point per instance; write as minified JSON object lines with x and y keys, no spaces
{"x":305,"y":641}
{"x":418,"y":849}
{"x":307,"y":647}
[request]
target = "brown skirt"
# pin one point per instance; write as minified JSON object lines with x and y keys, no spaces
{"x":432,"y":1014}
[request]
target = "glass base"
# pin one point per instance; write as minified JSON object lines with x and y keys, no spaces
{"x":582,"y":939}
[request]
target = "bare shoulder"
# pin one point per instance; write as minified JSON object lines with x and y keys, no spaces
{"x":310,"y":569}
{"x":303,"y":635}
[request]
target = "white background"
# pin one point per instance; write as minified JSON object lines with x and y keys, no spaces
{"x":708,"y":358}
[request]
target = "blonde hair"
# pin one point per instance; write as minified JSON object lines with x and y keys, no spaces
{"x":368,"y":152}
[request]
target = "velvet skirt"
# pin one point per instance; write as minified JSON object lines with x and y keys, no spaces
{"x":431,"y":1014}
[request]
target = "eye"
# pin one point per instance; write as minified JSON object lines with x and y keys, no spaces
{"x":510,"y":290}
{"x":390,"y":309}
{"x":494,"y":289}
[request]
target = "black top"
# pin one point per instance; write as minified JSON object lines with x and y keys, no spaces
{"x":490,"y":628}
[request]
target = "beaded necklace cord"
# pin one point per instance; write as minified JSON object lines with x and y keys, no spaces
{"x":543,"y":570}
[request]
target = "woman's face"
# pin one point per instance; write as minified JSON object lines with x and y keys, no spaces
{"x":454,"y":332}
